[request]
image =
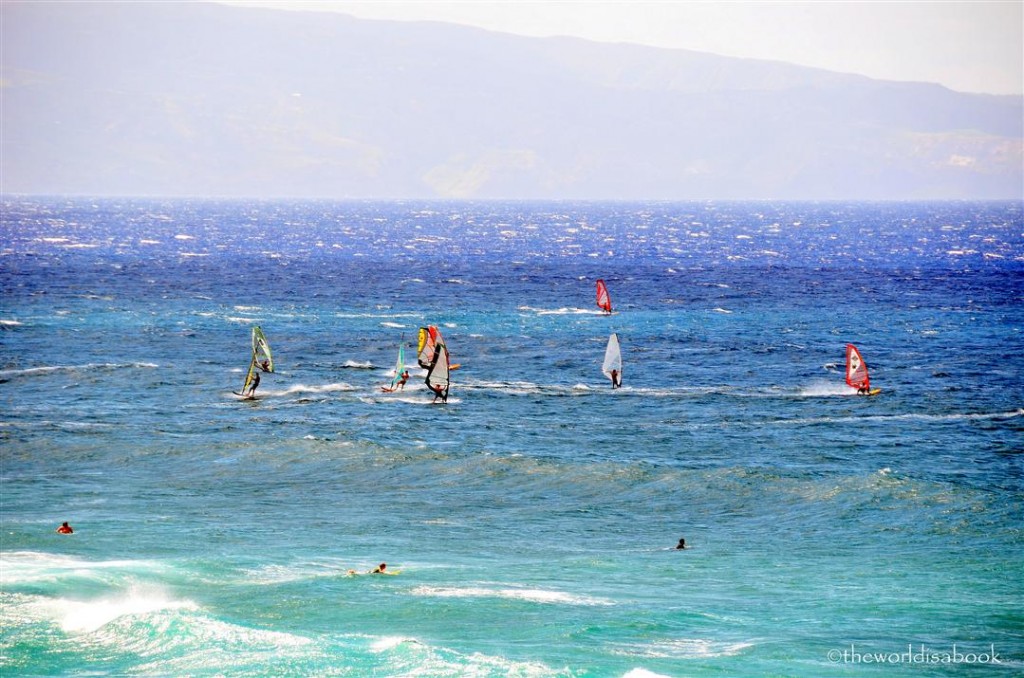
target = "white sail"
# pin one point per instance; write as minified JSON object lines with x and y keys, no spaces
{"x":613,"y":360}
{"x":438,"y":379}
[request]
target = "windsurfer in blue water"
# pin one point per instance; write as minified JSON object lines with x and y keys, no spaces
{"x":439,"y":392}
{"x":251,"y":393}
{"x":616,"y":381}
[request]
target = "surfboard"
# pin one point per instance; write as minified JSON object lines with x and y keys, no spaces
{"x":244,"y":397}
{"x":353,"y":573}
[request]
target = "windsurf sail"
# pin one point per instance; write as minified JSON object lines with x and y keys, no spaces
{"x":613,"y":361}
{"x":399,"y":368}
{"x":261,"y":350}
{"x":262,"y":358}
{"x":429,"y":338}
{"x":856,"y":369}
{"x":604,"y":301}
{"x":438,"y":374}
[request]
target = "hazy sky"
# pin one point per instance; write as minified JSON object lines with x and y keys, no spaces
{"x":975,"y":46}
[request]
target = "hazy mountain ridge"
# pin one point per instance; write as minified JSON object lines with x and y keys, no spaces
{"x":193,"y":99}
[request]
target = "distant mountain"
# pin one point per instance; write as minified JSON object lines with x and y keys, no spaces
{"x":158,"y":98}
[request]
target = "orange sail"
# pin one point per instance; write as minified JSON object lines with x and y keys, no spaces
{"x":856,"y":369}
{"x":604,"y":301}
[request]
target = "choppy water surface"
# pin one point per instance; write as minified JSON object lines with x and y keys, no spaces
{"x":533,"y":517}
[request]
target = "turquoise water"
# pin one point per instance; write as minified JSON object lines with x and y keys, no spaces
{"x":533,"y":517}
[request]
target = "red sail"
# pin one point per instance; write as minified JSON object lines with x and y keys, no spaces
{"x":856,"y":369}
{"x":603,"y":300}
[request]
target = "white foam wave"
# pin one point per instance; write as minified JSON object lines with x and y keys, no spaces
{"x":29,"y":567}
{"x":530,"y":595}
{"x":826,"y":389}
{"x":643,"y":673}
{"x":684,"y":648}
{"x":311,"y":388}
{"x":90,"y":367}
{"x":392,"y":324}
{"x":356,"y":365}
{"x":408,"y":656}
{"x":561,"y":311}
{"x":10,"y":323}
{"x":390,"y":642}
{"x":965,"y":416}
{"x":90,"y":615}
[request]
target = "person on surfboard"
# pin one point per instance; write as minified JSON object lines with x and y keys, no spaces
{"x":251,"y":393}
{"x":399,"y":385}
{"x":439,"y":392}
{"x":380,"y":569}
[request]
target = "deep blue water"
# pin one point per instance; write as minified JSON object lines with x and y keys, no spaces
{"x":533,"y":516}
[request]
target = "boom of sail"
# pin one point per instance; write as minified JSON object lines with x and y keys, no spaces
{"x":604,"y":300}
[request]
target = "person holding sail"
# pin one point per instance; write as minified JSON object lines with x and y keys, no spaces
{"x":251,"y":393}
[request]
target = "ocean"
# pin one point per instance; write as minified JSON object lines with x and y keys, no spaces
{"x":533,"y":518}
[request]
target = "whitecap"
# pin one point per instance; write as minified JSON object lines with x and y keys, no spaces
{"x":684,"y":648}
{"x":531,"y":595}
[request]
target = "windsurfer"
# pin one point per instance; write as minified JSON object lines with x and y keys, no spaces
{"x":251,"y":393}
{"x":439,"y":392}
{"x":265,"y":365}
{"x":863,"y":390}
{"x":65,"y":528}
{"x":616,"y":382}
{"x":399,"y":385}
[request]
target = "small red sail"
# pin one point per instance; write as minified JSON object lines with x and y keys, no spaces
{"x":856,"y":369}
{"x":603,"y":300}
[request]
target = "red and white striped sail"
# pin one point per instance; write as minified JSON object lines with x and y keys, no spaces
{"x":603,"y":299}
{"x":856,"y":369}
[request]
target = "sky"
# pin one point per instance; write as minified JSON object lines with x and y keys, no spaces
{"x":975,"y":46}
